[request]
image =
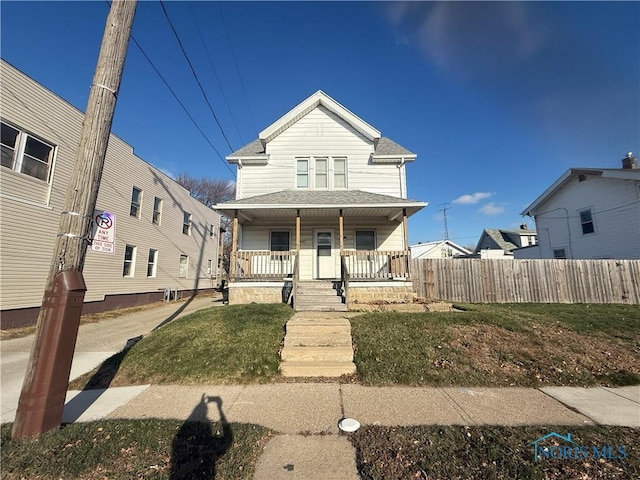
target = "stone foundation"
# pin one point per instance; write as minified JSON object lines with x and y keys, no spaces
{"x":372,"y":294}
{"x":240,"y":294}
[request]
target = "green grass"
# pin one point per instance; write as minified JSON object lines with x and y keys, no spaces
{"x":126,"y":449}
{"x":234,"y":344}
{"x":501,"y":345}
{"x":488,"y":452}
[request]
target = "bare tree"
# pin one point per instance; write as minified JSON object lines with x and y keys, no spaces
{"x":208,"y":190}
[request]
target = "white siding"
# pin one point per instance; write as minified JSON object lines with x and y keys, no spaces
{"x":616,"y":214}
{"x":29,"y":219}
{"x":320,"y":133}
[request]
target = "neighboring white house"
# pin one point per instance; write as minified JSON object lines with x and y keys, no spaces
{"x":590,"y":213}
{"x":438,"y":249}
{"x":156,"y":236}
{"x":322,"y":190}
{"x":501,"y":244}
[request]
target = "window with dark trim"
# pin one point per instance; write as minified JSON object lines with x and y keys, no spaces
{"x":25,"y":153}
{"x":586,"y":221}
{"x":365,"y":240}
{"x":280,"y":241}
{"x":559,"y":253}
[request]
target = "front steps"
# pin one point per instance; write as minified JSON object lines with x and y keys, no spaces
{"x":318,"y":296}
{"x":317,"y":345}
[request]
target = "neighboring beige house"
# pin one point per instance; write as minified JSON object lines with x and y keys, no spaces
{"x":161,"y":237}
{"x":321,"y":196}
{"x":496,"y":243}
{"x":438,"y":249}
{"x":590,"y":213}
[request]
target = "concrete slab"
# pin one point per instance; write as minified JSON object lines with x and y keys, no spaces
{"x":179,"y":402}
{"x":630,"y":393}
{"x":402,"y":406}
{"x":90,"y":405}
{"x":512,"y":406}
{"x":296,"y":457}
{"x":603,"y":406}
{"x":290,"y":407}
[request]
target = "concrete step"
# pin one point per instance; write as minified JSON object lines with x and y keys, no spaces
{"x":318,"y":298}
{"x":321,"y":308}
{"x":308,"y":330}
{"x":316,"y":369}
{"x":317,"y":354}
{"x":336,"y":320}
{"x":317,"y":340}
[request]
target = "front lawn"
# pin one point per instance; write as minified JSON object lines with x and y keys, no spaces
{"x":234,"y":344}
{"x":126,"y":449}
{"x":527,"y":345}
{"x":499,"y":453}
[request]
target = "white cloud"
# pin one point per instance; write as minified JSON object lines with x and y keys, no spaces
{"x":472,"y":199}
{"x":492,"y":209}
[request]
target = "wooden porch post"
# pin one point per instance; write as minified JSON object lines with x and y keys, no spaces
{"x":341,"y":229}
{"x":298,"y":233}
{"x":406,"y":241}
{"x":234,"y":244}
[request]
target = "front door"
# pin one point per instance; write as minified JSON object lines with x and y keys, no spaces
{"x":325,"y":262}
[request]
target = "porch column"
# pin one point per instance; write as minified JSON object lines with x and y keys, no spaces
{"x":341,"y":230}
{"x":234,"y":244}
{"x":406,"y":241}
{"x":298,"y":234}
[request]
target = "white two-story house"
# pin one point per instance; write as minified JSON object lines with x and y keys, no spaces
{"x":321,"y":197}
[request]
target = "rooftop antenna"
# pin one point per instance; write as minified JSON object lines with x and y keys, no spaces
{"x":445,"y":206}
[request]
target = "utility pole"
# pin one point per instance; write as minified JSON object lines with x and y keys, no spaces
{"x":445,"y":206}
{"x":47,"y":377}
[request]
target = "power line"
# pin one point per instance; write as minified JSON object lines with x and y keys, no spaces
{"x":612,"y":209}
{"x":215,"y":73}
{"x":195,"y":75}
{"x":233,"y":55}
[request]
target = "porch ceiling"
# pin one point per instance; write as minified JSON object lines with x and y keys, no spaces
{"x":249,"y":214}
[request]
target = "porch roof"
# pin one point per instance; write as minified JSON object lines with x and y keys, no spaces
{"x":320,"y":203}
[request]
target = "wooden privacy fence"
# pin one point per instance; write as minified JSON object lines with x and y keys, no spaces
{"x":535,"y":281}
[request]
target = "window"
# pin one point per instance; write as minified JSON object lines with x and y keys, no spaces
{"x":25,"y":154}
{"x":322,"y":180}
{"x":339,"y":173}
{"x":129,"y":265}
{"x":186,"y":223}
{"x":209,"y":266}
{"x":302,"y":173}
{"x":136,"y":202}
{"x":365,"y":240}
{"x":280,"y":241}
{"x":184,"y":266}
{"x":559,"y":253}
{"x":212,"y":230}
{"x":157,"y":210}
{"x":586,"y":220}
{"x":152,"y":263}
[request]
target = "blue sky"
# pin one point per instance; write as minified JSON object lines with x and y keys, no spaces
{"x":497,"y":99}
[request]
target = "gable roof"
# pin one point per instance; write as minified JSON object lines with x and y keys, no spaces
{"x":618,"y":173}
{"x":501,"y":238}
{"x":422,"y":249}
{"x":315,"y":100}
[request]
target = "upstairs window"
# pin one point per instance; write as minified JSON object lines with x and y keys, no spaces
{"x":339,"y":173}
{"x":25,"y":154}
{"x":365,"y":240}
{"x":152,"y":263}
{"x":157,"y":210}
{"x":136,"y":202}
{"x":302,"y":173}
{"x":586,"y":221}
{"x":322,"y":180}
{"x":128,"y":267}
{"x":186,"y":223}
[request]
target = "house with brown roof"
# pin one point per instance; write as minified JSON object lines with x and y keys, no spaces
{"x":321,"y":209}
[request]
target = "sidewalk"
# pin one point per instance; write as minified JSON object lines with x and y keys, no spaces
{"x":306,"y":414}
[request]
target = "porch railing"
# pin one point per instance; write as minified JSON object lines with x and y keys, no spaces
{"x":377,"y":264}
{"x":263,"y":264}
{"x":344,"y":276}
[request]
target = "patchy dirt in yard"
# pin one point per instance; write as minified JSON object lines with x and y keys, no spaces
{"x":556,"y":356}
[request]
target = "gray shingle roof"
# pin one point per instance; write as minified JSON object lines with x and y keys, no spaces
{"x":250,"y":149}
{"x":386,"y":146}
{"x":320,"y":197}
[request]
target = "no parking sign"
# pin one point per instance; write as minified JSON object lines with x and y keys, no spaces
{"x":103,"y":232}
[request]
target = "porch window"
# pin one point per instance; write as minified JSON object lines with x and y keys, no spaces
{"x":365,"y":240}
{"x":321,"y":173}
{"x":302,"y":173}
{"x":280,"y":241}
{"x":339,"y":173}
